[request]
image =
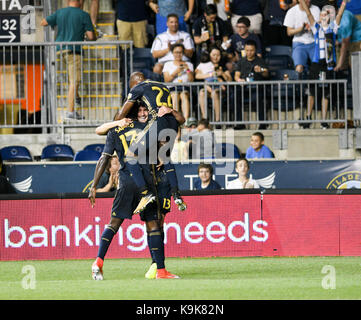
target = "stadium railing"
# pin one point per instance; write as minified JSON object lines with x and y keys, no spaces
{"x":273,"y":104}
{"x":34,"y":88}
{"x":34,"y":82}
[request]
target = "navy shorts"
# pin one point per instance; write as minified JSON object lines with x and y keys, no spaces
{"x":126,"y":197}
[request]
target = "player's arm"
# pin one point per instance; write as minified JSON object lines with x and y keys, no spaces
{"x":126,"y":108}
{"x":177,"y":115}
{"x":105,"y":127}
{"x":99,"y":170}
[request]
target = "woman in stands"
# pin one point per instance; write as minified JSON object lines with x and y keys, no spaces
{"x":212,"y":70}
{"x":179,"y":71}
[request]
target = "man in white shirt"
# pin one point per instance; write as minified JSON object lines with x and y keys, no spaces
{"x":298,"y":26}
{"x":242,"y":182}
{"x":161,"y":47}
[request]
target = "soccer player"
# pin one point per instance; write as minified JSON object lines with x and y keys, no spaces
{"x":123,"y":206}
{"x":155,"y":95}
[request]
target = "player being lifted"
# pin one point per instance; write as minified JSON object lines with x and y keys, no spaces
{"x":127,"y":197}
{"x":160,"y":128}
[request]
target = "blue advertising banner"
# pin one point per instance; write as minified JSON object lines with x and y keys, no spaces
{"x":52,"y":177}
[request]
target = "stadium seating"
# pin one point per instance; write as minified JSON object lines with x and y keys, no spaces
{"x":277,"y":50}
{"x":276,"y":62}
{"x":279,"y":74}
{"x":16,"y":153}
{"x":96,"y":147}
{"x":221,"y":150}
{"x":142,"y":59}
{"x":57,"y":152}
{"x":87,"y":155}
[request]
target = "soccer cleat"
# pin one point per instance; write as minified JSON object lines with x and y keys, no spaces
{"x":146,"y":199}
{"x":152,"y":272}
{"x":179,"y":201}
{"x":164,"y":274}
{"x":97,"y":269}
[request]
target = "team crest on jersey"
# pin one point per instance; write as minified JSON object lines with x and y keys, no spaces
{"x":346,"y":180}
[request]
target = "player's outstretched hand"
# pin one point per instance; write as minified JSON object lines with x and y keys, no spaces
{"x":164,"y":110}
{"x":91,"y":197}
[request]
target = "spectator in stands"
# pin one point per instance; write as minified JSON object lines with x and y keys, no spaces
{"x":161,"y":47}
{"x":250,"y":9}
{"x":243,"y":181}
{"x":349,"y":36}
{"x":239,"y":39}
{"x":5,"y":185}
{"x":209,"y":31}
{"x":93,"y":11}
{"x":109,"y":181}
{"x":324,"y":59}
{"x":73,"y":23}
{"x":180,"y":151}
{"x":257,"y":147}
{"x":275,"y":33}
{"x":205,"y":180}
{"x":251,"y":68}
{"x":165,"y":7}
{"x":212,"y":70}
{"x":190,"y":128}
{"x":202,"y":141}
{"x":354,"y":6}
{"x":179,"y":71}
{"x":132,"y":22}
{"x":303,"y":42}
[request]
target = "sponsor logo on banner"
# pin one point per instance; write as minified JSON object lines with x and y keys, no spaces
{"x":346,"y":180}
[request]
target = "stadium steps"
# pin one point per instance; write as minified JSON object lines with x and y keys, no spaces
{"x":101,"y":89}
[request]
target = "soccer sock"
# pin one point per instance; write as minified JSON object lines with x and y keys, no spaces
{"x":106,"y":239}
{"x":162,"y":235}
{"x":171,"y":176}
{"x":151,"y":252}
{"x":156,"y":246}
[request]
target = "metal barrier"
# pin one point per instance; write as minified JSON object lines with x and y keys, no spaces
{"x":40,"y":83}
{"x":276,"y":104}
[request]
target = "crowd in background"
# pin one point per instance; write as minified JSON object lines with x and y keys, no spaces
{"x":226,"y":40}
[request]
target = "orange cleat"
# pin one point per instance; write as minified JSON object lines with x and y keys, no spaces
{"x":97,"y":269}
{"x":164,"y":274}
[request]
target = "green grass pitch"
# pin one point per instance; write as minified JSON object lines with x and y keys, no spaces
{"x":201,"y":279}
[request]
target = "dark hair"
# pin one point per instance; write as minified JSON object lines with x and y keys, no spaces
{"x":245,"y":21}
{"x":204,"y":122}
{"x":251,"y":43}
{"x":205,"y":166}
{"x":259,"y":134}
{"x":172,"y":15}
{"x":242,"y":159}
{"x":204,"y":57}
{"x":175,"y":45}
{"x":210,"y":9}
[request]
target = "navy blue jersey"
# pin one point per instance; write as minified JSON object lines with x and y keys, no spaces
{"x":119,"y":139}
{"x":154,"y":94}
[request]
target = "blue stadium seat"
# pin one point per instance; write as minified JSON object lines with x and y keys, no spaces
{"x":57,"y":152}
{"x":142,"y":59}
{"x":221,"y":150}
{"x":275,"y":62}
{"x":277,"y":50}
{"x":16,"y":153}
{"x":87,"y":155}
{"x":96,"y":147}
